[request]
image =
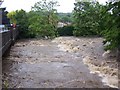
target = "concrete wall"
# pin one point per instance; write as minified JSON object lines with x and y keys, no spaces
{"x":0,"y":52}
{"x":6,"y":41}
{"x":0,"y":17}
{"x":8,"y":38}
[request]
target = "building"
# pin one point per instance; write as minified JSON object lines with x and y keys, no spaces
{"x":4,"y":21}
{"x":3,"y":17}
{"x":62,"y":24}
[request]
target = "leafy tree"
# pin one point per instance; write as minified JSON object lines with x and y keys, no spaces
{"x":22,"y":22}
{"x":112,"y":29}
{"x":65,"y":17}
{"x":87,"y":18}
{"x":34,"y":21}
{"x":11,"y":16}
{"x":40,"y":21}
{"x":46,"y":18}
{"x":19,"y":17}
{"x":66,"y":31}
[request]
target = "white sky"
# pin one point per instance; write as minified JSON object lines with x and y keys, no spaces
{"x":65,"y":5}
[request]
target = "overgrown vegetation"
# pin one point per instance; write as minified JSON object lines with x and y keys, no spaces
{"x":91,"y":18}
{"x":87,"y":18}
{"x":41,"y":21}
{"x":65,"y":17}
{"x":66,"y":30}
{"x":112,"y":25}
{"x":20,"y":18}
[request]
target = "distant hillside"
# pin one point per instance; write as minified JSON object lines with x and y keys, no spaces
{"x":65,"y":17}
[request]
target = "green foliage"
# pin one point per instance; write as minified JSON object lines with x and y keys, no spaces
{"x":66,"y":31}
{"x":65,"y":17}
{"x":91,"y":18}
{"x":45,"y":19}
{"x":41,"y":21}
{"x":20,"y":18}
{"x":5,"y":84}
{"x":112,"y":29}
{"x":22,"y":21}
{"x":12,"y":15}
{"x":86,"y":18}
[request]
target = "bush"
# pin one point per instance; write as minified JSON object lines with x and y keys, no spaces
{"x":66,"y":31}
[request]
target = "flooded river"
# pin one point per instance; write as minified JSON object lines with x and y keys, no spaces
{"x":65,"y":62}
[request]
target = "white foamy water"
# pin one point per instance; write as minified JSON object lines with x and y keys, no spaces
{"x":62,"y":47}
{"x":111,"y":81}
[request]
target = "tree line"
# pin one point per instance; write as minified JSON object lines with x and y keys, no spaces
{"x":87,"y":19}
{"x":92,"y":18}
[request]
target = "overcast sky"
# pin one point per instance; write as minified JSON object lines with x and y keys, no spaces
{"x":65,"y":5}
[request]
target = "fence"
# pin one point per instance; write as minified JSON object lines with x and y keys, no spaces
{"x":7,"y":38}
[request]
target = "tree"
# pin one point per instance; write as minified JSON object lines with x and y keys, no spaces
{"x":19,"y":17}
{"x":40,"y":21}
{"x":66,"y":30}
{"x":87,"y":18}
{"x":22,"y":22}
{"x":112,"y":30}
{"x":11,"y":16}
{"x":65,"y":17}
{"x":46,"y":13}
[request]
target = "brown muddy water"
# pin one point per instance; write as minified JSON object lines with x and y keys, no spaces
{"x":65,"y":62}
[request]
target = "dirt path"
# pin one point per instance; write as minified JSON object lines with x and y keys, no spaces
{"x":57,"y":63}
